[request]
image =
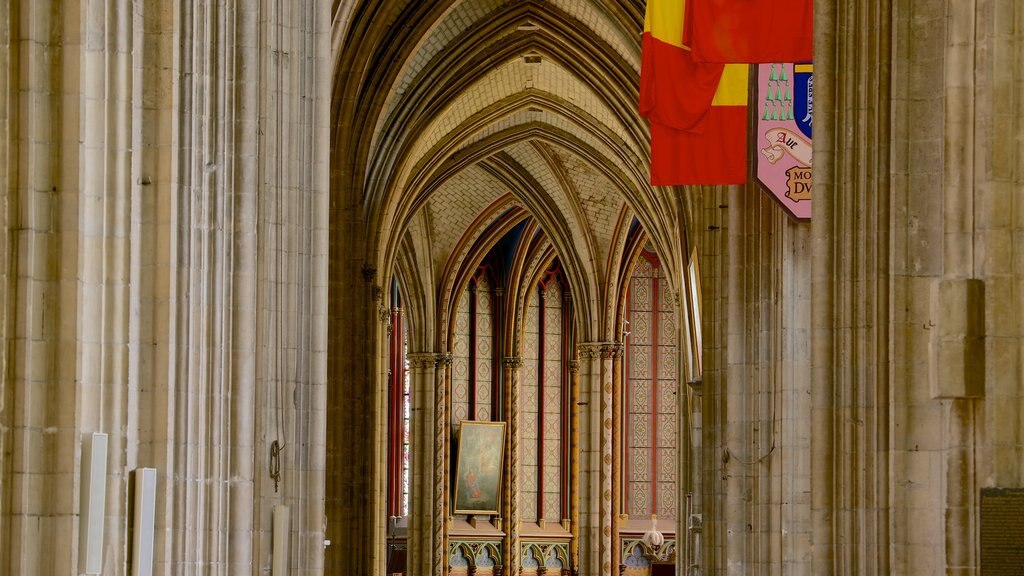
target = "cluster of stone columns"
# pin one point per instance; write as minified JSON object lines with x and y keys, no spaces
{"x":163,"y":277}
{"x":857,"y":398}
{"x":169,"y":263}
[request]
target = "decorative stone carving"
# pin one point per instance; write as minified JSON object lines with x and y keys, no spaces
{"x":422,"y":360}
{"x":611,"y":350}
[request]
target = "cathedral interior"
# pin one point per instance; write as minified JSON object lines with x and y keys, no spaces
{"x":378,"y":287}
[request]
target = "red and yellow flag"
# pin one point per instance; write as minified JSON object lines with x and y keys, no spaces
{"x":752,"y":30}
{"x":697,"y":110}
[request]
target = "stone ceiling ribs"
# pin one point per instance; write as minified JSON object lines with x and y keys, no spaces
{"x":487,"y":98}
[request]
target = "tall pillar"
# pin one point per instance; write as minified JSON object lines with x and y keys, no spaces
{"x":999,"y":178}
{"x":248,"y":296}
{"x":422,"y":368}
{"x":597,"y":363}
{"x":442,"y":380}
{"x":851,"y":248}
{"x":513,"y":517}
{"x":39,"y":420}
{"x":159,"y":289}
{"x":711,"y":229}
{"x":574,"y":455}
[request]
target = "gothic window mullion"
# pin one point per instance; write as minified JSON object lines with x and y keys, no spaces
{"x":540,"y":402}
{"x":566,"y":404}
{"x":471,"y":387}
{"x":655,"y":309}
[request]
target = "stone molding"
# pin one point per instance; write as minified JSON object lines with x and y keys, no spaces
{"x":602,"y":350}
{"x":422,"y":360}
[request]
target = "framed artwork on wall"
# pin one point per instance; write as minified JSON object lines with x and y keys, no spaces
{"x":478,"y":467}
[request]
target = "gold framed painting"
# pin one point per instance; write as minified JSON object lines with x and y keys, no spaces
{"x":478,"y":467}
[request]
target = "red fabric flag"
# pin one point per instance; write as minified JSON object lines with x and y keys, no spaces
{"x":752,"y":30}
{"x":698,"y":111}
{"x":714,"y":151}
{"x":674,"y":90}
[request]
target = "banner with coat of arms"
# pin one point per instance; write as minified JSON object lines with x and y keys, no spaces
{"x":783,"y":135}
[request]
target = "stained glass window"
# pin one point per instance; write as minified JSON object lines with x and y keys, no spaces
{"x":650,"y":393}
{"x":473,"y":354}
{"x":399,"y":453}
{"x":529,"y":409}
{"x":542,"y":410}
{"x":406,"y":412}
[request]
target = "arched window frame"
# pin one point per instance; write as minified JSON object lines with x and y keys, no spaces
{"x":553,"y":275}
{"x":652,"y":462}
{"x":495,"y":406}
{"x":399,"y":411}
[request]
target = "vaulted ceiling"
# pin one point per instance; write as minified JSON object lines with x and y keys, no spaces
{"x":447,"y":111}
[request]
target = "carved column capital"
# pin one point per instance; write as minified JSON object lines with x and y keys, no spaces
{"x":443,"y":359}
{"x":600,"y":349}
{"x":574,"y":366}
{"x":422,"y":360}
{"x":512,"y":362}
{"x":611,"y":350}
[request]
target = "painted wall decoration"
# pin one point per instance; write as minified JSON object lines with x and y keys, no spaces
{"x":529,"y":411}
{"x":783,"y":135}
{"x":478,"y":468}
{"x":472,"y":354}
{"x":650,"y":394}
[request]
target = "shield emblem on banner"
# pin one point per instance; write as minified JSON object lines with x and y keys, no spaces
{"x":803,"y":97}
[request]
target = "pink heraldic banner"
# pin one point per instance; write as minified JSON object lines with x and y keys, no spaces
{"x":783,"y":134}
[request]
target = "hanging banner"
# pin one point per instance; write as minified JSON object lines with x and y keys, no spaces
{"x":785,"y":100}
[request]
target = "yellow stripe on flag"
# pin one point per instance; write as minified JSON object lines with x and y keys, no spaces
{"x":664,"y":21}
{"x":808,"y":68}
{"x":733,"y":87}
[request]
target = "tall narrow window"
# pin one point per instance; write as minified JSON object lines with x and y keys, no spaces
{"x":473,"y":394}
{"x":529,"y":411}
{"x":399,"y":411}
{"x":650,"y":394}
{"x":483,"y":332}
{"x":551,"y":388}
{"x":543,"y":396}
{"x":406,"y":413}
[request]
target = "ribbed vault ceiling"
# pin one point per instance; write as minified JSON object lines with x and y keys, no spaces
{"x":457,"y":104}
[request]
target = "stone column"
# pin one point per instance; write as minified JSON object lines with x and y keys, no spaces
{"x":616,"y":474}
{"x":154,"y":285}
{"x":1000,"y":241}
{"x":248,"y":295}
{"x":590,"y":458}
{"x":511,"y":366}
{"x":611,"y":380}
{"x":958,"y":369}
{"x":422,"y":368}
{"x":597,"y":363}
{"x":441,"y":433}
{"x":575,"y":453}
{"x":711,"y":229}
{"x":39,"y":421}
{"x":851,"y":248}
